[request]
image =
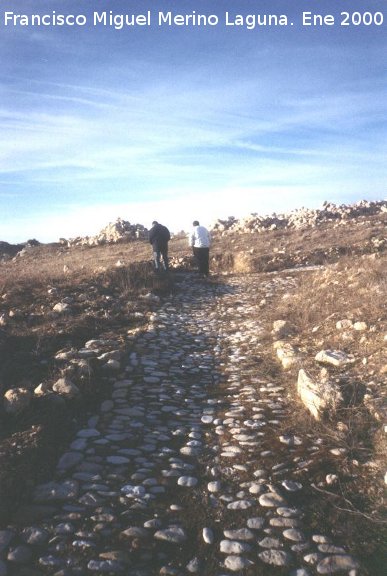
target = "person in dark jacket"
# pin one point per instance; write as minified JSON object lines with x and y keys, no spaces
{"x":159,"y":237}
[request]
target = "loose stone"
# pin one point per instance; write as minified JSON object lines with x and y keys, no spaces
{"x":117,"y":460}
{"x":194,"y":565}
{"x":330,"y":549}
{"x":275,"y":557}
{"x":290,"y":440}
{"x":188,"y":481}
{"x":208,"y":535}
{"x":239,"y":505}
{"x":284,"y":522}
{"x":133,"y":491}
{"x":135,"y":532}
{"x":288,"y":512}
{"x":34,"y":536}
{"x":313,"y":558}
{"x":292,"y":486}
{"x":336,"y":563}
{"x":173,"y":535}
{"x":256,"y":488}
{"x":239,"y":534}
{"x":20,"y":555}
{"x":255,"y":523}
{"x":233,"y":547}
{"x":271,"y":500}
{"x":214,"y":486}
{"x":105,"y":566}
{"x":295,"y":535}
{"x":269,"y":542}
{"x":70,"y":460}
{"x":236,"y":563}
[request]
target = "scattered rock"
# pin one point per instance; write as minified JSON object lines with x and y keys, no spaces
{"x":62,"y":308}
{"x":66,"y":388}
{"x":173,"y":535}
{"x":334,"y":358}
{"x":17,"y":400}
{"x":318,"y":397}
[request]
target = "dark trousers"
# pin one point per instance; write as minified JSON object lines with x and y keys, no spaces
{"x":163,"y":253}
{"x":202,"y":256}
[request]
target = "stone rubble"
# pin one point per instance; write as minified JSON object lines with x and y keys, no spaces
{"x":180,"y":467}
{"x":118,"y":231}
{"x":299,"y":218}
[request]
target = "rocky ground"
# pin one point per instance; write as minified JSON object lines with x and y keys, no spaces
{"x":164,"y":433}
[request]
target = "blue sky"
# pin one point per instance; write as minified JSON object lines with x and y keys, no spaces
{"x":180,"y":123}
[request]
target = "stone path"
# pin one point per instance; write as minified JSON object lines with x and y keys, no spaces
{"x":184,"y":470}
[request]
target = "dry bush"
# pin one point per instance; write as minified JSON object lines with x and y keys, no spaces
{"x":135,"y":278}
{"x":354,"y":288}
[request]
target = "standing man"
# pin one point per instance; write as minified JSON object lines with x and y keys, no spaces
{"x":159,"y":237}
{"x":200,"y":241}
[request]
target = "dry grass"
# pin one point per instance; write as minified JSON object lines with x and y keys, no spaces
{"x":353,"y":288}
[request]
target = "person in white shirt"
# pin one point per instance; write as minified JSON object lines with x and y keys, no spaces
{"x":200,"y":241}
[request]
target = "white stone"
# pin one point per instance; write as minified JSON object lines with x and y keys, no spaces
{"x":61,"y":307}
{"x":288,"y":512}
{"x":290,"y":440}
{"x":256,"y":488}
{"x":188,"y":481}
{"x":214,"y":486}
{"x":207,"y":419}
{"x":294,"y":535}
{"x":255,"y":523}
{"x":269,"y":542}
{"x":331,"y":479}
{"x":287,"y":354}
{"x":271,"y":500}
{"x":334,"y":357}
{"x":174,"y":535}
{"x":236,"y":563}
{"x":344,"y":324}
{"x":318,"y":397}
{"x":292,"y":486}
{"x":233,"y":547}
{"x":208,"y":535}
{"x":336,"y":563}
{"x":239,"y":534}
{"x":66,"y":388}
{"x":17,"y":400}
{"x":275,"y":557}
{"x":281,"y":328}
{"x":239,"y":505}
{"x":133,"y":491}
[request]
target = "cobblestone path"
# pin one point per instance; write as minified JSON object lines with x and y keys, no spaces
{"x":184,"y":470}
